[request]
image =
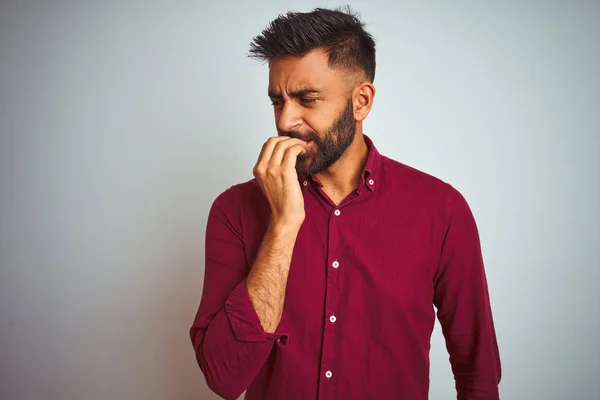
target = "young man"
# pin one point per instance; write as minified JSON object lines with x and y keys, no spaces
{"x":322,"y":272}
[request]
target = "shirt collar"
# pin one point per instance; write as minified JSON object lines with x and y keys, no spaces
{"x":369,"y":175}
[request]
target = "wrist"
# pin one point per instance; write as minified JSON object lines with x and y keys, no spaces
{"x":284,"y":228}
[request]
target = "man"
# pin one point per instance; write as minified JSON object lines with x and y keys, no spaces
{"x":322,"y":272}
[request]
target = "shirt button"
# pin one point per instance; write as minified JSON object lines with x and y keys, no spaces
{"x":335,"y":264}
{"x":337,"y":212}
{"x":305,"y":183}
{"x":371,"y":182}
{"x":328,"y":374}
{"x":333,"y":318}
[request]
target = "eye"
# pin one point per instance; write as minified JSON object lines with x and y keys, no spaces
{"x":307,"y":100}
{"x":276,"y":103}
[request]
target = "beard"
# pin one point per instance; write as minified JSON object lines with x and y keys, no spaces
{"x":329,"y":147}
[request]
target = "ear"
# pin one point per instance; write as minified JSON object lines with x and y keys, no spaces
{"x":362,"y":97}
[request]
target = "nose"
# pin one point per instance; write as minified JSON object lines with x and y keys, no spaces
{"x":289,"y":118}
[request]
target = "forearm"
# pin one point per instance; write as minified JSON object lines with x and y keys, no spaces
{"x":267,"y":280}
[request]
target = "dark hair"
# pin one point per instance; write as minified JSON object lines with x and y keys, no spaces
{"x":339,"y":32}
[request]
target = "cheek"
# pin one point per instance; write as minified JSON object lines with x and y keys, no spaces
{"x":318,"y":122}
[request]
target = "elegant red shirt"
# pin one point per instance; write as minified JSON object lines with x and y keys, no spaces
{"x":359,"y":307}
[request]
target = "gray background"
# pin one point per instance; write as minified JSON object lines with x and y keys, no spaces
{"x":120,"y":123}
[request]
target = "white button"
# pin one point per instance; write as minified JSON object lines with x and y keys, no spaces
{"x":328,"y":374}
{"x":332,"y":318}
{"x":335,"y":264}
{"x":305,"y":183}
{"x":337,"y":212}
{"x":371,"y":182}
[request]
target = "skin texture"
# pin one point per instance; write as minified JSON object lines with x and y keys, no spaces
{"x":318,"y":114}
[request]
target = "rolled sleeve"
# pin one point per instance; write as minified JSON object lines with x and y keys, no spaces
{"x":242,"y":316}
{"x":244,"y":320}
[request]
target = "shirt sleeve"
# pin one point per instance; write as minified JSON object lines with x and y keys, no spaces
{"x":229,"y":341}
{"x":463,"y":303}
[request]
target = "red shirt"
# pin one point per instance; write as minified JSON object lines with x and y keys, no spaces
{"x":359,"y":307}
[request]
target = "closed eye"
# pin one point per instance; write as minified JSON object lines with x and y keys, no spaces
{"x":304,"y":100}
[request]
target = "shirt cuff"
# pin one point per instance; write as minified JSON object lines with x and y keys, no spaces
{"x":244,"y":320}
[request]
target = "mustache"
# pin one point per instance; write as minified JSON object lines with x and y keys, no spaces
{"x":298,"y":135}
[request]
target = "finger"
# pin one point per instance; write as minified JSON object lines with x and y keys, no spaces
{"x":267,"y":148}
{"x":281,"y":148}
{"x":291,"y":155}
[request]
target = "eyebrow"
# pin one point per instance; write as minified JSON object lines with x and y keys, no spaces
{"x":295,"y":93}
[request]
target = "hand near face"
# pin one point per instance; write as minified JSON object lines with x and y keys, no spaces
{"x":275,"y":171}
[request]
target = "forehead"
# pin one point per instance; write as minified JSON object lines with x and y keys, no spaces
{"x":310,"y":71}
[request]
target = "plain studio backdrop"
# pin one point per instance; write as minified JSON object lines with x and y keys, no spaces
{"x":121,"y":122}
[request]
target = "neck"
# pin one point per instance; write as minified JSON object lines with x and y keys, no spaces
{"x":344,"y":176}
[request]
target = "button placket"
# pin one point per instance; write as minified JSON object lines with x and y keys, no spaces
{"x":328,"y":361}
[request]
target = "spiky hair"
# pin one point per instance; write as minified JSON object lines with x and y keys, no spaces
{"x":339,"y":32}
